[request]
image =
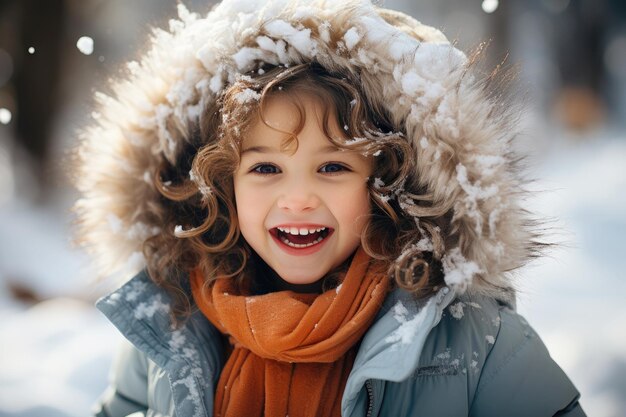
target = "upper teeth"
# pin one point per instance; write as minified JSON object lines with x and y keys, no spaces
{"x":299,"y":231}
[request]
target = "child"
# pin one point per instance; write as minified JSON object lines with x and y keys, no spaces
{"x":328,"y":210}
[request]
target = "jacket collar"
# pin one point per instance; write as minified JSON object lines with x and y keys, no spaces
{"x":140,"y":310}
{"x":390,"y":350}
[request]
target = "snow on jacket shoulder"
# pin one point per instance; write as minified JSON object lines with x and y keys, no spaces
{"x":483,"y":359}
{"x":448,"y":356}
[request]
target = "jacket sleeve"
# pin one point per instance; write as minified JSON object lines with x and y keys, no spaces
{"x":127,"y":396}
{"x":520,"y":378}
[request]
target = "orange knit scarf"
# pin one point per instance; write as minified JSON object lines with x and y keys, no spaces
{"x":292,"y":353}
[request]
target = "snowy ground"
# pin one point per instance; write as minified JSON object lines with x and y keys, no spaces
{"x":54,"y":356}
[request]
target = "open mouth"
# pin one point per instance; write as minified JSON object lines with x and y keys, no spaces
{"x":298,"y":237}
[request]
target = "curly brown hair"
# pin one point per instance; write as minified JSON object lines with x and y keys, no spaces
{"x":403,"y":232}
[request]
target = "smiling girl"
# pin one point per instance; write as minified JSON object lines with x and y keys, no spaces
{"x":328,"y":211}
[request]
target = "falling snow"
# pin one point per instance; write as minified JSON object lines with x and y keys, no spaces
{"x":490,"y":6}
{"x":85,"y":45}
{"x":5,"y":116}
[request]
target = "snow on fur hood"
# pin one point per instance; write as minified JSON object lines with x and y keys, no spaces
{"x":426,"y":84}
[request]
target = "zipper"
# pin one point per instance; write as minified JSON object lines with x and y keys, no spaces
{"x":370,"y":398}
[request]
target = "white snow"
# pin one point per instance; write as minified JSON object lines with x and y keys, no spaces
{"x":384,"y":197}
{"x":247,"y":96}
{"x":178,"y":229}
{"x":141,"y":231}
{"x":436,"y":60}
{"x":457,"y":310}
{"x":149,"y":309}
{"x":401,"y":46}
{"x":490,"y":339}
{"x":299,"y":39}
{"x":474,"y":190}
{"x":355,"y":140}
{"x":114,"y":223}
{"x":5,"y":116}
{"x":324,"y":31}
{"x":177,"y":340}
{"x":266,"y":43}
{"x":409,"y":327}
{"x":412,"y":83}
{"x":246,"y":56}
{"x":55,"y":358}
{"x":423,"y":245}
{"x":85,"y":45}
{"x":490,"y":6}
{"x":215,"y":84}
{"x":458,"y":271}
{"x":443,"y":356}
{"x":351,"y":37}
{"x":205,"y":190}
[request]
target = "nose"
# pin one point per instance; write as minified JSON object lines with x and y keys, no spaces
{"x":297,"y":198}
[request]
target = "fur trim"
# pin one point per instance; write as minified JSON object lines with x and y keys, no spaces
{"x":460,"y":134}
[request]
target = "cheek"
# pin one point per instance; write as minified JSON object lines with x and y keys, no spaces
{"x":354,"y":207}
{"x":248,"y":207}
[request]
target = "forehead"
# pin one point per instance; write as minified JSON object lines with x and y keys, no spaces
{"x":287,"y":114}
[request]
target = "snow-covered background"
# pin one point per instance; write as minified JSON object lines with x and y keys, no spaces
{"x":55,"y":348}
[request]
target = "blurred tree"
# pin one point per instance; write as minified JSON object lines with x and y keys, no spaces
{"x":583,"y":31}
{"x":35,"y":82}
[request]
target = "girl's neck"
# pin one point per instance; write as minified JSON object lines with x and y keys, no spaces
{"x":265,"y":280}
{"x":282,"y":285}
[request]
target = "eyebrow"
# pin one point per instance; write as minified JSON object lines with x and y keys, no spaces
{"x":269,"y":149}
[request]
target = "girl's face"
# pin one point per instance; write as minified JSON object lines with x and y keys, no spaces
{"x":302,"y":212}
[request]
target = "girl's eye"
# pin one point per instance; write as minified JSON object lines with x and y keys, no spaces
{"x":265,"y":169}
{"x":333,"y":168}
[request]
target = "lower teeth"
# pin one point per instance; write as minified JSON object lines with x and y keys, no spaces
{"x":297,"y":245}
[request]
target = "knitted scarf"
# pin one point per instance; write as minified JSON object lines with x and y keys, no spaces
{"x":292,"y":353}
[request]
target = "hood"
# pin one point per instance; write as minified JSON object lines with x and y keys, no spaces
{"x":459,"y":129}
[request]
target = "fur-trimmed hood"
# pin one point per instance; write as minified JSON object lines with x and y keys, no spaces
{"x":460,"y":132}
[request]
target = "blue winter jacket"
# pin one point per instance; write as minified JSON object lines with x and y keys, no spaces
{"x":448,"y":356}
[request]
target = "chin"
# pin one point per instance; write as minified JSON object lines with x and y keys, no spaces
{"x":301,"y":280}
